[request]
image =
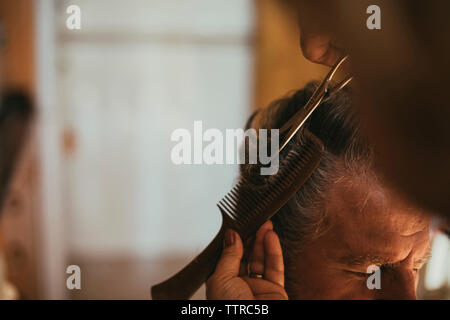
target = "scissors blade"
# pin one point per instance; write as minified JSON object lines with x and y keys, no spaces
{"x":297,"y":121}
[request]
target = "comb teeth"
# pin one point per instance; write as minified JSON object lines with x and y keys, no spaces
{"x":249,"y":205}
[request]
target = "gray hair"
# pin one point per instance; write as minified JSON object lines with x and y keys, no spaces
{"x":304,"y":217}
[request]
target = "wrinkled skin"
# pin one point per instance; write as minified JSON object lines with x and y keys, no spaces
{"x":366,"y":225}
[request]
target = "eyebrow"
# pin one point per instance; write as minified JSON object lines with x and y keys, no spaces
{"x":363,"y":260}
{"x":367,"y":259}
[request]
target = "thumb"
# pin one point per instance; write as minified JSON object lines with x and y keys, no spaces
{"x":228,"y":265}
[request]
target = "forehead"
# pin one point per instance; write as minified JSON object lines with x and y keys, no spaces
{"x":367,"y":218}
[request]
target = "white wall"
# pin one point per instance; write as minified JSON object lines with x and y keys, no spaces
{"x":136,"y":71}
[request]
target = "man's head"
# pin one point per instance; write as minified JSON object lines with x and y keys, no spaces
{"x":345,"y":218}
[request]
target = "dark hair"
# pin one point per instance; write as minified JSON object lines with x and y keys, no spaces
{"x":334,"y":122}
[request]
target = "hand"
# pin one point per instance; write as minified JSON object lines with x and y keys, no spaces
{"x":318,"y":39}
{"x":320,"y":48}
{"x":230,"y":280}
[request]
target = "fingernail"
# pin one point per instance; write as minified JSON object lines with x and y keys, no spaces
{"x":230,"y":237}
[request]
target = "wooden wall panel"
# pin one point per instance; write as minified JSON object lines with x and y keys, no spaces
{"x":17,"y":22}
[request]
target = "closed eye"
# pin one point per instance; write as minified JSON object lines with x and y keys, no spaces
{"x":358,"y":274}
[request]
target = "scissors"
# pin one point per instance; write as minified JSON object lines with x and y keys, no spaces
{"x":291,"y":127}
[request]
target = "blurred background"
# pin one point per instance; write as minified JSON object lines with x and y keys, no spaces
{"x":93,"y":185}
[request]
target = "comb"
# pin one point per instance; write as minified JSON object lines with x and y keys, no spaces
{"x":248,"y":205}
{"x":244,"y":210}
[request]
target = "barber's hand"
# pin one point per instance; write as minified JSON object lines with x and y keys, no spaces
{"x":320,"y":47}
{"x":317,"y":32}
{"x":230,"y":281}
